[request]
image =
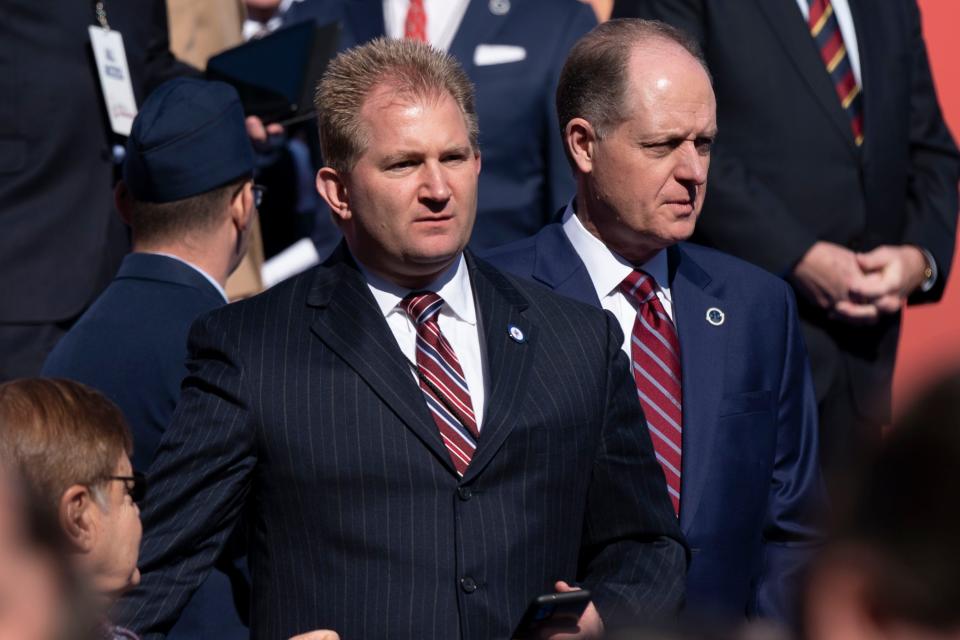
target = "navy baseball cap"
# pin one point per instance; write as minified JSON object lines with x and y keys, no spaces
{"x":188,"y":138}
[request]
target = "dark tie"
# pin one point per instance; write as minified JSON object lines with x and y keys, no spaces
{"x":655,"y":361}
{"x":415,"y":26}
{"x":826,"y":32}
{"x":441,"y":379}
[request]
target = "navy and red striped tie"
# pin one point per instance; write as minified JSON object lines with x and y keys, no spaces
{"x":826,"y":32}
{"x":655,"y":364}
{"x":441,"y":379}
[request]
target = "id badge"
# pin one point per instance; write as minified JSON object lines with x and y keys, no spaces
{"x":114,"y":75}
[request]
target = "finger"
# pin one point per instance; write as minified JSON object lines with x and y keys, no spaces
{"x":875,"y":260}
{"x":275,"y":129}
{"x":563,"y":587}
{"x":855,"y":313}
{"x":889,"y":304}
{"x":868,"y":288}
{"x":255,"y":129}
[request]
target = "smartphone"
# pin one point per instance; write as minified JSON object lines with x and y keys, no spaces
{"x":552,"y":609}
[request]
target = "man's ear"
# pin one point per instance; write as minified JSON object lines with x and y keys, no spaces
{"x":242,"y":206}
{"x":333,"y":189}
{"x":581,"y":140}
{"x":123,"y":201}
{"x":77,"y":517}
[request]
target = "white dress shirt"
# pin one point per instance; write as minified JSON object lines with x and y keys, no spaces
{"x":443,"y":19}
{"x":252,"y":28}
{"x":842,"y":10}
{"x":607,"y":270}
{"x":216,"y":285}
{"x":458,"y":322}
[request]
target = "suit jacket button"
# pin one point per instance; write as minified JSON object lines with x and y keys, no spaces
{"x":469,"y":585}
{"x":465,"y":493}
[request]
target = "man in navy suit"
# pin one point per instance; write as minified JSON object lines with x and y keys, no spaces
{"x":718,"y":360}
{"x":422,"y":443}
{"x":190,"y":230}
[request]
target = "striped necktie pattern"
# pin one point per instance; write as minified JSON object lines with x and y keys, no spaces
{"x":655,"y":364}
{"x":825,"y":30}
{"x":415,"y":26}
{"x":441,"y":379}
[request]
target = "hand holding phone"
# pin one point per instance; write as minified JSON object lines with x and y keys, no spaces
{"x":552,"y":612}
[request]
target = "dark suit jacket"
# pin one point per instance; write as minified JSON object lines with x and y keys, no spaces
{"x":301,"y":406}
{"x":785,"y":171}
{"x":131,"y":344}
{"x":525,"y":175}
{"x":63,"y":240}
{"x":750,"y":478}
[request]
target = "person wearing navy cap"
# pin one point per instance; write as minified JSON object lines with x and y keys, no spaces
{"x":188,"y":195}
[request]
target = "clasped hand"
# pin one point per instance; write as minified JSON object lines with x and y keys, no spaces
{"x":859,"y":288}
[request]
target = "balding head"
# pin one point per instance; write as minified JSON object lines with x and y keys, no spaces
{"x":595,"y":79}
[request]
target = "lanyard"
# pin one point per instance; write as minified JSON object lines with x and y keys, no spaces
{"x":101,"y":14}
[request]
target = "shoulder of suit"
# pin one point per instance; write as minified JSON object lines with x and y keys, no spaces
{"x":733,"y":271}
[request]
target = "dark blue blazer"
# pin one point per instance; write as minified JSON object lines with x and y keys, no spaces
{"x":525,"y":176}
{"x":301,"y":408}
{"x":750,"y":471}
{"x":131,"y":344}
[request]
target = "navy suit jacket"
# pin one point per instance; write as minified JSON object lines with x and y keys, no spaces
{"x":750,"y":477}
{"x":526,"y":176}
{"x":301,"y":407}
{"x":131,"y":345}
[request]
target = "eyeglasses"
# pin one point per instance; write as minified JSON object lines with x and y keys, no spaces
{"x":135,"y":485}
{"x":258,"y":191}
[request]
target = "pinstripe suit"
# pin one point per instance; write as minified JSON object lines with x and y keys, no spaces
{"x":301,"y":408}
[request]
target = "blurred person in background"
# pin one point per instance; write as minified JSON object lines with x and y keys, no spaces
{"x":835,"y":170}
{"x":893,"y":570}
{"x":190,"y":230}
{"x":71,"y":446}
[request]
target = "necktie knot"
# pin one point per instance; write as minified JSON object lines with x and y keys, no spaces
{"x":421,"y":306}
{"x":639,"y":286}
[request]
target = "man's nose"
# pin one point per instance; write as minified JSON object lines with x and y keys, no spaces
{"x":434,"y":186}
{"x":692,"y":164}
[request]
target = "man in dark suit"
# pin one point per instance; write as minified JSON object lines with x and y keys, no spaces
{"x":844,"y":182}
{"x":424,"y":443}
{"x":719,"y":364}
{"x":190,"y":230}
{"x":62,"y":239}
{"x":512,"y":51}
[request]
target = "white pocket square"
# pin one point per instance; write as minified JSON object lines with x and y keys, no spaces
{"x":487,"y":54}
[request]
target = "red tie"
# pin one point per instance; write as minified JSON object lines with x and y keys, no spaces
{"x":655,"y":361}
{"x":415,"y":26}
{"x":441,"y":379}
{"x":826,"y":32}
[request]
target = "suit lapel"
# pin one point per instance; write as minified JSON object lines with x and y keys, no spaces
{"x":499,"y":307}
{"x":479,"y":26}
{"x":785,"y":19}
{"x":351,"y":324}
{"x":558,"y":266}
{"x":702,"y":350}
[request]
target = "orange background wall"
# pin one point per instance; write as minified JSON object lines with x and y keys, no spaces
{"x":931,"y":337}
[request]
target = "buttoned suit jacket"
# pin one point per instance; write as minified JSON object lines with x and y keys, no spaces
{"x":526,"y":176}
{"x":785,"y":171}
{"x":301,"y":407}
{"x":131,"y":344}
{"x":750,"y":482}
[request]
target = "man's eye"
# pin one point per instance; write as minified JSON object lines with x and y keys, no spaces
{"x":403,"y":164}
{"x":704,"y":144}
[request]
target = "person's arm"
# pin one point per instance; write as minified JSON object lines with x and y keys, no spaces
{"x":934,"y":170}
{"x":198,"y":482}
{"x":633,"y":556}
{"x":791,"y":532}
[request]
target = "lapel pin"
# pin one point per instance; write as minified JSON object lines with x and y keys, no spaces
{"x":515,"y":333}
{"x":499,"y":7}
{"x":715,"y":316}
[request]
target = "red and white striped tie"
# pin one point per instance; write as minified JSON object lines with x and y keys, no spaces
{"x":655,"y":364}
{"x":441,"y":379}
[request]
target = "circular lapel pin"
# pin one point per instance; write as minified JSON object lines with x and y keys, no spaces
{"x":499,"y":7}
{"x":515,"y":333}
{"x":715,"y":316}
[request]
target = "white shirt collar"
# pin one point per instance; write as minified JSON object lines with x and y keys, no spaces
{"x":606,"y":268}
{"x":216,"y":285}
{"x":453,"y":285}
